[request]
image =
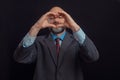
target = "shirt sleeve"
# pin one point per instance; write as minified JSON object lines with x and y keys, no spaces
{"x":79,"y":36}
{"x":27,"y":41}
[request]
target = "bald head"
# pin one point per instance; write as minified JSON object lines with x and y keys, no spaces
{"x":56,"y":9}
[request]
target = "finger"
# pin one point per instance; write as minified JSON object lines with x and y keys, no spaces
{"x":60,"y":26}
{"x":50,"y":14}
{"x":46,"y":15}
{"x":63,"y":13}
{"x":51,"y":26}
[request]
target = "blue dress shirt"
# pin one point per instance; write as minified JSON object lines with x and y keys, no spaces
{"x":61,"y":37}
{"x":29,"y":40}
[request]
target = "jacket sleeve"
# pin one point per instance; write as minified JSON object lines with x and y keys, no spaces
{"x":26,"y":54}
{"x":88,"y":51}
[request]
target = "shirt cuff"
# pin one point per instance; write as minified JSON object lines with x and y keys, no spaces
{"x":79,"y":36}
{"x":28,"y":40}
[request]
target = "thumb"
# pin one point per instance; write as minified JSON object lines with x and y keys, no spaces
{"x":52,"y":26}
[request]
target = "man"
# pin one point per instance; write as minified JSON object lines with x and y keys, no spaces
{"x":56,"y":59}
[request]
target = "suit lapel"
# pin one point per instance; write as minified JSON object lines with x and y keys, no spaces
{"x":65,"y":44}
{"x":50,"y":43}
{"x":52,"y":48}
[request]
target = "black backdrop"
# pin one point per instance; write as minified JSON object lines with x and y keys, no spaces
{"x":100,"y":19}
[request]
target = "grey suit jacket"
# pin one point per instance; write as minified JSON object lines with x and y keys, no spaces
{"x":50,"y":67}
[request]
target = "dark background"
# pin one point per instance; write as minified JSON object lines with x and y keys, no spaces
{"x":100,"y":20}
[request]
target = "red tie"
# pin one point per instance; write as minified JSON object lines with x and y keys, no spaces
{"x":57,"y":45}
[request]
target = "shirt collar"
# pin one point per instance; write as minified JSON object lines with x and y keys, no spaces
{"x":54,"y":36}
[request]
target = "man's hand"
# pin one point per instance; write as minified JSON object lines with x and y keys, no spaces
{"x":41,"y":24}
{"x":70,"y":23}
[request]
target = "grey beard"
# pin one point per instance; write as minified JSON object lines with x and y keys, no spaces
{"x":57,"y":30}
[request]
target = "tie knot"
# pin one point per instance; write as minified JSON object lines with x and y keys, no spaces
{"x":57,"y":39}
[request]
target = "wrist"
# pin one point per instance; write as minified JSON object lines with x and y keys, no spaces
{"x":34,"y":31}
{"x":76,"y":28}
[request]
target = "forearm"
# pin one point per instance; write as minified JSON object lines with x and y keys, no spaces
{"x":34,"y":30}
{"x":79,"y":36}
{"x":88,"y":50}
{"x":27,"y":40}
{"x":30,"y":37}
{"x":26,"y":51}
